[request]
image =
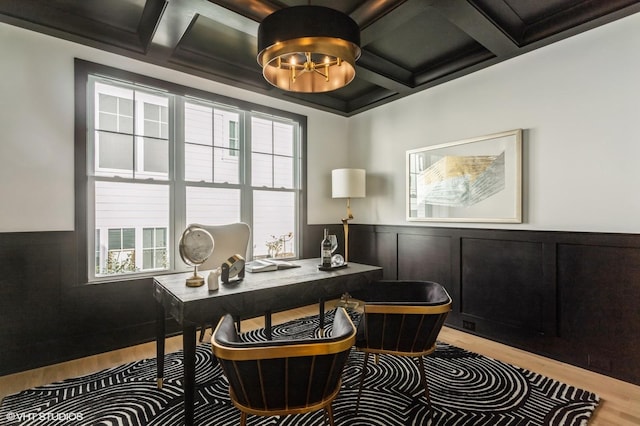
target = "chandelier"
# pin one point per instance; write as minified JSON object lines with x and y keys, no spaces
{"x":308,"y":49}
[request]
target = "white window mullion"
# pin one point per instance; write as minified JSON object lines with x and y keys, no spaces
{"x":245,"y":173}
{"x":178,"y":189}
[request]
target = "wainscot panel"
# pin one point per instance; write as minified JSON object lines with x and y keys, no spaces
{"x":570,"y":296}
{"x":49,"y":318}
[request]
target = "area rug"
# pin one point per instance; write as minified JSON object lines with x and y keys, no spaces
{"x":466,"y":389}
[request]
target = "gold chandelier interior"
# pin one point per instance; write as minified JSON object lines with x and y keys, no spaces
{"x":310,"y":64}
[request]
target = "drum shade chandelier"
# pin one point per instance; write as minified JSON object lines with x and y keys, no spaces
{"x":308,"y":49}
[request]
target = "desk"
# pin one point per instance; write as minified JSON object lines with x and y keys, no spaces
{"x":257,"y":294}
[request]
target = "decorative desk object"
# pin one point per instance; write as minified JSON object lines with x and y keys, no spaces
{"x":213,"y":280}
{"x":232,"y":267}
{"x":196,"y":245}
{"x":348,"y":183}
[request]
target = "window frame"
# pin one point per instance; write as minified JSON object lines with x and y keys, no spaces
{"x":85,"y":245}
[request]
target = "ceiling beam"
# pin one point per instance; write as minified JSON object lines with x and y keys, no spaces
{"x":382,"y":72}
{"x":474,"y":23}
{"x":372,"y":10}
{"x":179,"y":15}
{"x":392,"y":20}
{"x":255,"y":10}
{"x":151,"y":14}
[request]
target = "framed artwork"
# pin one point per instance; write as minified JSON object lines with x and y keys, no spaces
{"x":473,"y":180}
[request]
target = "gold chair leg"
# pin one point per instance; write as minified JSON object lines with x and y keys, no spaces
{"x":364,"y":373}
{"x":423,"y":379}
{"x":243,"y":418}
{"x":329,"y":411}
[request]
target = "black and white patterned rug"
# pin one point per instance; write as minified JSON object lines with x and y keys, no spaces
{"x":466,"y":389}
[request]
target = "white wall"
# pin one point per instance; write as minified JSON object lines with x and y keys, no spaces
{"x":37,"y":130}
{"x":579,"y":103}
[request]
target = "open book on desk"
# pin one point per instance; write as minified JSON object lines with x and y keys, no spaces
{"x":264,"y":265}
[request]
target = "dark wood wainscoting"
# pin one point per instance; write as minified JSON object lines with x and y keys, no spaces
{"x":48,"y":317}
{"x":574,"y":297}
{"x":570,"y":296}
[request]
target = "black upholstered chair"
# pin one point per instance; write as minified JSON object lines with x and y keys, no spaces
{"x":281,"y":377}
{"x":402,"y":318}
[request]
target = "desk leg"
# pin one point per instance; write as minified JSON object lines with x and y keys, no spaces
{"x":321,"y":316}
{"x":189,"y":347}
{"x":160,"y":336}
{"x":267,"y":324}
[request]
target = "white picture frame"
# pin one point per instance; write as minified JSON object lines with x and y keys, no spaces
{"x":472,"y":180}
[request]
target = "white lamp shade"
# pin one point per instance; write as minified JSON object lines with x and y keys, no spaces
{"x":348,"y":183}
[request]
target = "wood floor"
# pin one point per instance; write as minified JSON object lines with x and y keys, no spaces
{"x":619,"y":406}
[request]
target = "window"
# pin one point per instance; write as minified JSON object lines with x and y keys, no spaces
{"x":154,"y":248}
{"x":121,"y":251}
{"x":162,"y":156}
{"x":234,"y":141}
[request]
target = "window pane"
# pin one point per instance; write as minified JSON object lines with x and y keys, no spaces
{"x":125,"y":124}
{"x":164,"y":114}
{"x":161,"y":237}
{"x":212,"y":206}
{"x":151,"y":112}
{"x":226,"y":168}
{"x":198,"y":163}
{"x":107,"y":103}
{"x":261,"y":135}
{"x":125,"y":107}
{"x":148,"y":115}
{"x":115,"y":239}
{"x":233,"y":130}
{"x":115,"y":112}
{"x":107,"y":121}
{"x":164,"y":130}
{"x":283,"y":172}
{"x":161,"y":259}
{"x":125,"y":209}
{"x":198,"y":124}
{"x":261,"y":170}
{"x":275,"y":220}
{"x":147,"y":238}
{"x":147,"y":259}
{"x":128,"y":238}
{"x":114,"y":151}
{"x":152,"y":128}
{"x":156,"y":156}
{"x":283,"y":139}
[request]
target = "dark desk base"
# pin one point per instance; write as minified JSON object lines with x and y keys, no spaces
{"x":193,"y":306}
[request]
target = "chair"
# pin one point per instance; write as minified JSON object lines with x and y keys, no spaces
{"x":402,"y":318}
{"x":228,"y":239}
{"x":279,"y":377}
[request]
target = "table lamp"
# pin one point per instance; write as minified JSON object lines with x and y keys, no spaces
{"x":348,"y":183}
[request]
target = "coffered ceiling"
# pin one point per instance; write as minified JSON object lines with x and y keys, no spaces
{"x":407,"y":45}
